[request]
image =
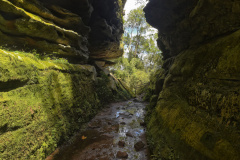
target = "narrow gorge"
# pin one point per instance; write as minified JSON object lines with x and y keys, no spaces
{"x":54,"y":78}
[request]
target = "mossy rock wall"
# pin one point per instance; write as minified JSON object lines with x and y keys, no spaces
{"x":45,"y":94}
{"x":75,"y":30}
{"x":197,"y":111}
{"x":42,"y":103}
{"x":197,"y":114}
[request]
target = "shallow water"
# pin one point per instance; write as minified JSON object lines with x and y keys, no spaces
{"x":117,"y":122}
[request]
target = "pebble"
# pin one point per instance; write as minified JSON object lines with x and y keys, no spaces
{"x":129,"y":134}
{"x":139,"y":146}
{"x":121,"y":143}
{"x":143,"y":124}
{"x":122,"y":154}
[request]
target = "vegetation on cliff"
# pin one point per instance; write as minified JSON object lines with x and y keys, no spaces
{"x":42,"y":103}
{"x":142,"y":57}
{"x":196,"y":113}
{"x":44,"y":99}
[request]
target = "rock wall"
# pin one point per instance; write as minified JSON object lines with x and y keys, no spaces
{"x":49,"y":83}
{"x":198,"y":107}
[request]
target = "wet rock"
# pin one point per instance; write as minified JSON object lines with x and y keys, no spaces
{"x":104,"y":158}
{"x":121,"y":143}
{"x":142,"y":124}
{"x":108,"y":135}
{"x":95,"y":124}
{"x":129,"y":134}
{"x":122,"y":154}
{"x":135,"y":100}
{"x":139,"y":146}
{"x":124,"y":114}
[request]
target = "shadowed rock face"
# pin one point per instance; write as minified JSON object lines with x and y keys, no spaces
{"x":185,"y":23}
{"x":104,"y":17}
{"x":83,"y":8}
{"x":197,"y":111}
{"x":106,"y":30}
{"x":76,"y":30}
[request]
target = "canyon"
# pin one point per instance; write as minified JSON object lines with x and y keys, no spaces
{"x":53,"y":76}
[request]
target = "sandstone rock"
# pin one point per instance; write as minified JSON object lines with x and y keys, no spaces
{"x":60,"y":27}
{"x":121,"y":143}
{"x":122,"y":154}
{"x":44,"y":71}
{"x":201,"y":71}
{"x":27,"y":80}
{"x":190,"y":22}
{"x":129,"y":134}
{"x":83,"y":8}
{"x":139,"y":146}
{"x":34,"y":32}
{"x":106,"y":30}
{"x":62,"y":18}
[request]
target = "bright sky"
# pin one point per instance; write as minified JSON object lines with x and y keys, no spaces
{"x":130,"y":5}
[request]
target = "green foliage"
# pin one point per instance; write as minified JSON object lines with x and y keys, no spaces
{"x":155,"y":85}
{"x":104,"y":92}
{"x":143,"y":56}
{"x":131,"y":72}
{"x":135,"y":28}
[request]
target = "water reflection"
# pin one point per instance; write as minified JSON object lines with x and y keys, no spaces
{"x":118,"y":113}
{"x":122,"y":131}
{"x":104,"y":132}
{"x":139,"y":113}
{"x":139,"y":132}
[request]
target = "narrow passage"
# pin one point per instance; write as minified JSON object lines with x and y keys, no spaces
{"x":116,"y":132}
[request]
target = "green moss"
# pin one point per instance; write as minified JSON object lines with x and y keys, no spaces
{"x":51,"y":102}
{"x":7,"y":6}
{"x":124,"y":90}
{"x":154,"y":87}
{"x":103,"y":91}
{"x":107,"y":94}
{"x":197,"y":112}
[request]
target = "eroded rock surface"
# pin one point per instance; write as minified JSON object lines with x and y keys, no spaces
{"x":196,"y":113}
{"x":73,"y":30}
{"x":50,"y":84}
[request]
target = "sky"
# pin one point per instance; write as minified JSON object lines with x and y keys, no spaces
{"x":130,"y":5}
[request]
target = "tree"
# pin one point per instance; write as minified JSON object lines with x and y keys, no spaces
{"x":142,"y":55}
{"x":135,"y":28}
{"x":153,"y":59}
{"x":142,"y":2}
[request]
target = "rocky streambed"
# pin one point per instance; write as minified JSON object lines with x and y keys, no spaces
{"x":117,"y":132}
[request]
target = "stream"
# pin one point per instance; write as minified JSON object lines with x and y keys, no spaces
{"x":116,"y":132}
